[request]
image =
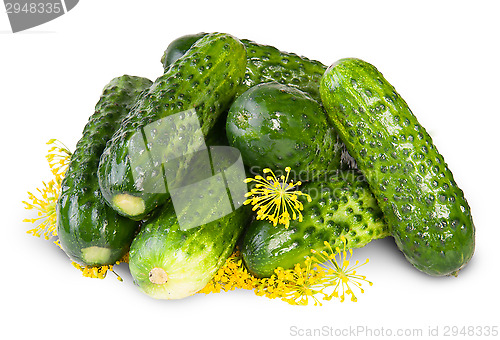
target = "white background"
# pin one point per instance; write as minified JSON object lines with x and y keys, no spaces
{"x":441,"y":56}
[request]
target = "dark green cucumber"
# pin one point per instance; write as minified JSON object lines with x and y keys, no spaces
{"x":425,"y":209}
{"x":90,"y":232}
{"x":217,"y":136}
{"x":167,"y":262}
{"x":264,"y":64}
{"x":204,"y":79}
{"x":178,"y":48}
{"x":342,"y":206}
{"x":276,"y":126}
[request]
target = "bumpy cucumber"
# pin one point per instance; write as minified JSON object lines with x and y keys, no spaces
{"x":90,"y":232}
{"x":425,"y":209}
{"x":275,"y":126}
{"x":342,"y":206}
{"x":204,"y":79}
{"x":167,"y":262}
{"x":264,"y":64}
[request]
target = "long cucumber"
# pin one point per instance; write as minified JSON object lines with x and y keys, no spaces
{"x":427,"y":212}
{"x":204,"y":80}
{"x":90,"y":232}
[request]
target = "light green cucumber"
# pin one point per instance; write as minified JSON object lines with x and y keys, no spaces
{"x":167,"y":262}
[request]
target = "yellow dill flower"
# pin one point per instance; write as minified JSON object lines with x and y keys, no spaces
{"x":99,"y":272}
{"x":95,"y":272}
{"x":315,"y":279}
{"x":299,"y":285}
{"x":338,"y":273}
{"x":295,"y":286}
{"x":45,"y":205}
{"x":58,"y":157}
{"x":233,"y":274}
{"x":276,"y":198}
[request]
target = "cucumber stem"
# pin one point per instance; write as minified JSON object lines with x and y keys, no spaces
{"x":158,"y":276}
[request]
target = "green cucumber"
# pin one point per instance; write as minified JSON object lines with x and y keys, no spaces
{"x":428,"y":215}
{"x":276,"y":126}
{"x":204,"y":79}
{"x":167,"y":262}
{"x":264,"y":64}
{"x":217,"y":136}
{"x":341,"y":206}
{"x":178,"y":48}
{"x":90,"y":232}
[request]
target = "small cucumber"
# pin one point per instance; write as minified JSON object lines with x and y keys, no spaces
{"x":276,"y":126}
{"x":167,"y":262}
{"x":342,"y":206}
{"x":264,"y":64}
{"x":90,"y":232}
{"x":204,"y":79}
{"x":425,"y":209}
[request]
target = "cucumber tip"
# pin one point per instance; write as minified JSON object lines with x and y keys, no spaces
{"x":158,"y":276}
{"x":129,"y":205}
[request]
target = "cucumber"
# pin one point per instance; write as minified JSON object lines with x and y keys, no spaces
{"x":264,"y":64}
{"x":275,"y":126}
{"x":89,"y":231}
{"x":178,"y":48}
{"x":167,"y":262}
{"x":217,"y":136}
{"x":341,"y":206}
{"x":427,"y":212}
{"x":204,"y":79}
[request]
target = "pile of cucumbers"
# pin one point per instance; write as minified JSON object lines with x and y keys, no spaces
{"x":371,"y":169}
